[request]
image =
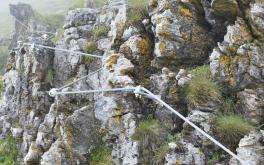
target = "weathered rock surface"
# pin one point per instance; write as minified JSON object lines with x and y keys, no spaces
{"x":157,"y":52}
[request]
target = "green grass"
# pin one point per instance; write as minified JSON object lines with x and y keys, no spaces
{"x":8,"y":151}
{"x":202,"y":88}
{"x":90,"y":47}
{"x":101,"y":155}
{"x":1,"y":86}
{"x":3,"y":58}
{"x":49,"y":75}
{"x":214,"y":158}
{"x":100,"y":31}
{"x":137,"y":11}
{"x":231,"y":128}
{"x":153,"y":139}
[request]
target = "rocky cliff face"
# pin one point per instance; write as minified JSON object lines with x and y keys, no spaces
{"x":156,"y":51}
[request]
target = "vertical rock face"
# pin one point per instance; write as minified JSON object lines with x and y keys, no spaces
{"x":182,"y":37}
{"x":156,"y":52}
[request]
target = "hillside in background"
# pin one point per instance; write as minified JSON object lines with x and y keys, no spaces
{"x":45,"y":7}
{"x":50,"y":11}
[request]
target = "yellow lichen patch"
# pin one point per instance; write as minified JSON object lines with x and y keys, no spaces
{"x":173,"y":53}
{"x":126,"y":51}
{"x":186,"y":12}
{"x":144,"y":47}
{"x":164,"y":33}
{"x":9,"y":66}
{"x":162,"y":46}
{"x":111,"y":61}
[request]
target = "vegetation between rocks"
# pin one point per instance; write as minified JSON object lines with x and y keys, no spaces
{"x":202,"y":88}
{"x":101,"y":155}
{"x":1,"y":86}
{"x":8,"y":151}
{"x":231,"y":128}
{"x":100,"y":31}
{"x":154,"y":139}
{"x":3,"y":58}
{"x":137,"y":11}
{"x":90,"y":47}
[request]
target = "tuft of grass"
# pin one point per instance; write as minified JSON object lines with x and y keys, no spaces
{"x":102,"y":155}
{"x":202,"y":88}
{"x":154,"y":141}
{"x":100,"y":31}
{"x":8,"y":151}
{"x":161,"y":153}
{"x":90,"y":47}
{"x":137,"y":11}
{"x":231,"y":128}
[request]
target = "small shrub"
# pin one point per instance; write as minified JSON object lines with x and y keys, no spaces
{"x":100,"y":31}
{"x":202,"y":89}
{"x":102,"y":155}
{"x":8,"y":151}
{"x":231,"y":128}
{"x":90,"y":47}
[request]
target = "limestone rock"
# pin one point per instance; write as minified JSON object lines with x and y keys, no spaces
{"x":184,"y":153}
{"x":177,"y":40}
{"x":251,"y":104}
{"x":250,"y":149}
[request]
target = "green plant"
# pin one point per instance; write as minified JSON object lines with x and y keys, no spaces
{"x":229,"y":105}
{"x":161,"y":153}
{"x":49,"y":75}
{"x":90,"y":47}
{"x":3,"y":57}
{"x":88,"y":60}
{"x":101,"y":155}
{"x":100,"y":31}
{"x":231,"y":128}
{"x":153,"y":138}
{"x":8,"y":151}
{"x":137,"y":11}
{"x":202,"y":88}
{"x":1,"y":86}
{"x":214,"y":158}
